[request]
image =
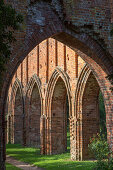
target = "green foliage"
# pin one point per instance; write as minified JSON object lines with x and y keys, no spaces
{"x":99,"y":148}
{"x":9,"y":21}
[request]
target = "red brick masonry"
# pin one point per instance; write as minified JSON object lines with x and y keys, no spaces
{"x":69,"y":22}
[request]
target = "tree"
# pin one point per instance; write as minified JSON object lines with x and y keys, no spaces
{"x":10,"y":21}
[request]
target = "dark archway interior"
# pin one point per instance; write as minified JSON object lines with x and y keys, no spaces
{"x":90,"y":113}
{"x":59,"y":123}
{"x":93,"y":114}
{"x":34,"y":118}
{"x":18,"y":118}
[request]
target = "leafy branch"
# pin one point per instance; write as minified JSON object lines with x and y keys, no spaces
{"x":10,"y":21}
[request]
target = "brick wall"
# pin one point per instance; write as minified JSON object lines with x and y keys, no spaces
{"x":90,"y":113}
{"x":34,"y":119}
{"x":18,"y":118}
{"x":59,"y":119}
{"x":50,"y":73}
{"x":60,"y":21}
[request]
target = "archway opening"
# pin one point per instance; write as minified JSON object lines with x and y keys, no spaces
{"x":56,"y":138}
{"x":33,"y":114}
{"x":93,"y":114}
{"x":18,"y":118}
{"x":59,"y":117}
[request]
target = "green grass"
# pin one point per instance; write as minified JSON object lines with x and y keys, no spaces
{"x":11,"y":167}
{"x":49,"y":162}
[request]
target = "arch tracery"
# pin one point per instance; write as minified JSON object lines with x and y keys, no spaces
{"x":16,"y":113}
{"x":17,"y":84}
{"x":34,"y":79}
{"x":51,"y":85}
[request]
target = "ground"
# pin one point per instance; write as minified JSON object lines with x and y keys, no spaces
{"x":49,"y":162}
{"x":11,"y":167}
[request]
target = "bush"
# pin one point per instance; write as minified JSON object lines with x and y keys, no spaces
{"x":100,"y":150}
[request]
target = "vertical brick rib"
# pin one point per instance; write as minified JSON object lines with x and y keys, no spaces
{"x":21,"y":72}
{"x":76,"y":65}
{"x":47,"y":60}
{"x":38,"y":60}
{"x":26,"y":69}
{"x":56,"y":53}
{"x":64,"y":57}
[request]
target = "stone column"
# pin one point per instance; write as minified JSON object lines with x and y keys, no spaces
{"x":72,"y":139}
{"x":75,"y":138}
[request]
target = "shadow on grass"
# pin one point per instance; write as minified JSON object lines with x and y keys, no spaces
{"x":49,"y":162}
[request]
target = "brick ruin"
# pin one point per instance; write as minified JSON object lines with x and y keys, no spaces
{"x":36,"y":107}
{"x":84,"y":27}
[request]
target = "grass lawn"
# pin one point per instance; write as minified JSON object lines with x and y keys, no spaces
{"x":49,"y":162}
{"x":11,"y":167}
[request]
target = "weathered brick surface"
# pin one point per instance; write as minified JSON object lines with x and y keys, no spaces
{"x":34,"y":119}
{"x":18,"y":118}
{"x":59,"y":20}
{"x":54,"y":72}
{"x":58,"y":119}
{"x":90,"y":113}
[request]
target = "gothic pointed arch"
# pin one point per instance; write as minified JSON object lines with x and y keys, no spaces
{"x":16,"y":113}
{"x":55,"y":110}
{"x":17,"y":85}
{"x":80,"y":89}
{"x":37,"y":29}
{"x":58,"y":72}
{"x":33,"y":111}
{"x":86,"y":115}
{"x":62,"y":27}
{"x":28,"y":91}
